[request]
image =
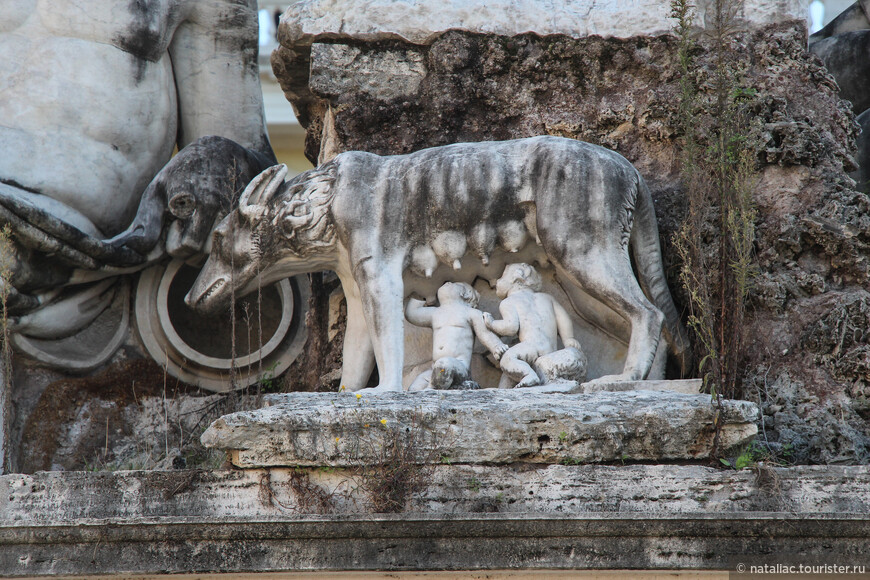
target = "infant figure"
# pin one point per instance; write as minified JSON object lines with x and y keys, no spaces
{"x":539,"y":320}
{"x":455,"y":322}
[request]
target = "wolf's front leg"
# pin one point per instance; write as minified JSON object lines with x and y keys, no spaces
{"x":381,"y":287}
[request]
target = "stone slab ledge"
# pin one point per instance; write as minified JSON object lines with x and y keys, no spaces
{"x":469,"y":518}
{"x":480,"y":427}
{"x":459,"y":542}
{"x":62,"y":498}
{"x":420,"y":22}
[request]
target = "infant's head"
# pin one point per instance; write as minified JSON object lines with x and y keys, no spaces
{"x":458,"y":291}
{"x":518,"y":276}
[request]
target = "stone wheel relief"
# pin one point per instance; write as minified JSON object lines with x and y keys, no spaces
{"x":198,"y":349}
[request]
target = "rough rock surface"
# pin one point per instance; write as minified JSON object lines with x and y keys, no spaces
{"x":131,"y":416}
{"x":486,"y":426}
{"x":807,"y":364}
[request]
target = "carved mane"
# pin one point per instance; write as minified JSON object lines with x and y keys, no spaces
{"x":311,"y":191}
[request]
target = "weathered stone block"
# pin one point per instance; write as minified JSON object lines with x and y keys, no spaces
{"x":337,"y":69}
{"x":687,"y":386}
{"x":470,"y":517}
{"x":488,"y":426}
{"x":422,"y":22}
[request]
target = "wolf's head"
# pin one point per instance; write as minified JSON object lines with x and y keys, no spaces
{"x":280,"y":229}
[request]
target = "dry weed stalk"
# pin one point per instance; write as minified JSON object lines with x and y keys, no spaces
{"x":715,"y":241}
{"x":393,"y":461}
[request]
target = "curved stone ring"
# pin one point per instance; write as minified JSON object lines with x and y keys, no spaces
{"x":213,"y":352}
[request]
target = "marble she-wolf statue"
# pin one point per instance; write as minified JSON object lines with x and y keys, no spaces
{"x":373,"y":218}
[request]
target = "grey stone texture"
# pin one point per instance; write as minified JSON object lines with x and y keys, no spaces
{"x":479,"y":427}
{"x":48,"y":498}
{"x":687,"y":386}
{"x":468,"y":517}
{"x":391,"y":74}
{"x":132,"y":416}
{"x":806,"y":367}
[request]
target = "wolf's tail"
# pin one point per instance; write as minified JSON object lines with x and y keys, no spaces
{"x":647,"y":254}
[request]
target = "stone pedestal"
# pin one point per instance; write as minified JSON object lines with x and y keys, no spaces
{"x":661,"y":517}
{"x":480,"y":427}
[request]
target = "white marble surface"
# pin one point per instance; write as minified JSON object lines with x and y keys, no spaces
{"x":369,"y":218}
{"x":95,"y":97}
{"x":421,"y":21}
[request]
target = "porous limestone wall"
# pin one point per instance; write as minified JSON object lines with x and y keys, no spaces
{"x":398,"y":78}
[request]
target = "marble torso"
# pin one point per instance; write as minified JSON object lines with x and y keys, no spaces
{"x":88,"y":111}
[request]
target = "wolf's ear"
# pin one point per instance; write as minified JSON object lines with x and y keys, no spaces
{"x":292,"y":216}
{"x":258,"y":193}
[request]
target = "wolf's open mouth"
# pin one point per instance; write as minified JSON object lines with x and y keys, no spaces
{"x":218,"y":284}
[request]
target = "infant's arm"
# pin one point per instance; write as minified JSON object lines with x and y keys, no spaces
{"x":418,"y":314}
{"x":486,"y":337}
{"x":564,"y":325}
{"x":509,"y":325}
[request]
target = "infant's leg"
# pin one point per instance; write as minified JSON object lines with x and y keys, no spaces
{"x":422,"y":382}
{"x":515,"y":364}
{"x":449,"y":372}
